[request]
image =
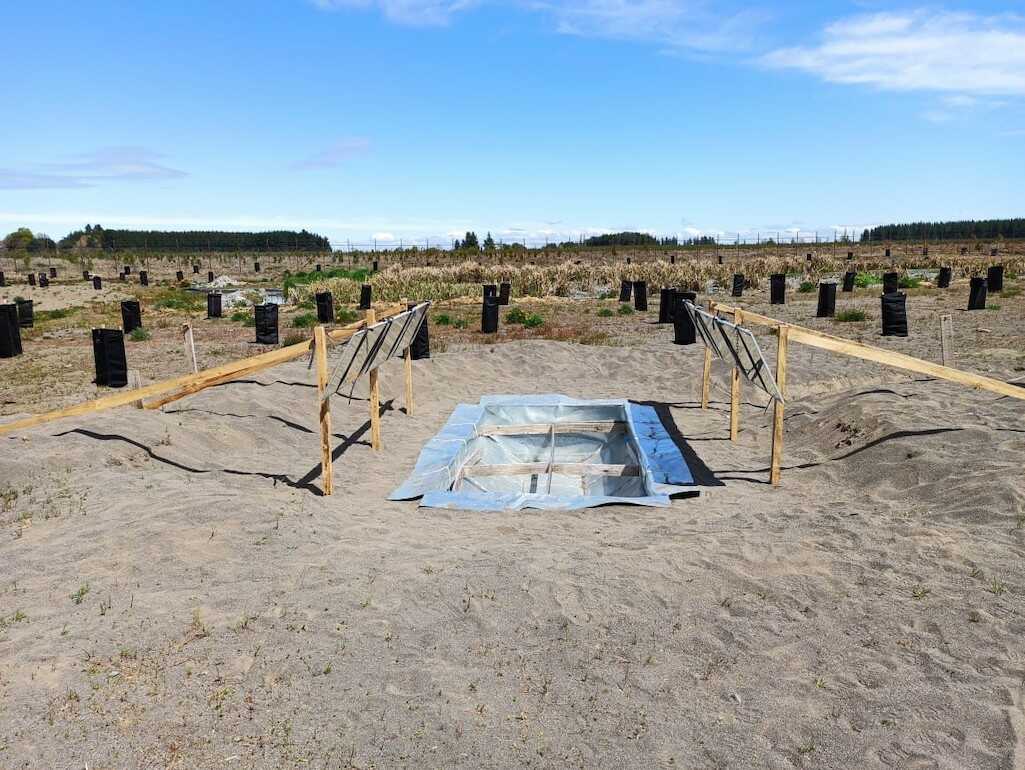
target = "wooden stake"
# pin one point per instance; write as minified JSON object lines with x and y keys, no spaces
{"x":777,"y":409}
{"x":135,"y":382}
{"x":946,"y":336}
{"x":706,"y":373}
{"x":375,"y":396}
{"x":320,"y":353}
{"x":409,"y":381}
{"x":190,"y":345}
{"x":735,"y":389}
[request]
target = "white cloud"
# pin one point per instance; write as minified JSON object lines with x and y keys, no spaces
{"x":330,"y":157}
{"x":413,"y":12}
{"x":959,"y":53}
{"x":131,"y":164}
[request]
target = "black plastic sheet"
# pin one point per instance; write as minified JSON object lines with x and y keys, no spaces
{"x":827,"y":301}
{"x":213,"y":305}
{"x":266,"y":324}
{"x":131,"y":315}
{"x":489,"y":313}
{"x":895,"y":315}
{"x":777,"y":289}
{"x":891,"y":282}
{"x":977,"y":294}
{"x":504,"y":292}
{"x":109,"y":356}
{"x":848,"y":281}
{"x":625,"y":288}
{"x":325,"y":307}
{"x":365,"y":296}
{"x":995,"y":278}
{"x":10,"y":332}
{"x":683,"y":327}
{"x":640,"y":295}
{"x":25,"y":315}
{"x":943,"y":280}
{"x":738,"y":285}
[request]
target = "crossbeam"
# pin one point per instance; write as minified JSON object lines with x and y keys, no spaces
{"x":563,"y":469}
{"x":544,"y":428}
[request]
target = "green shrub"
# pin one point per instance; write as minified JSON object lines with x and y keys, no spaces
{"x":459,"y":323}
{"x":180,"y":299}
{"x":442,"y":319}
{"x":305,"y":321}
{"x":345,"y":315}
{"x":52,"y":315}
{"x":515,"y":316}
{"x":864,"y":280}
{"x":605,"y":312}
{"x":139,"y":334}
{"x":243,"y":317}
{"x":850,"y":315}
{"x":806,"y":286}
{"x":625,"y":309}
{"x":533,"y":320}
{"x":992,"y":307}
{"x":909,"y":282}
{"x":298,"y":279}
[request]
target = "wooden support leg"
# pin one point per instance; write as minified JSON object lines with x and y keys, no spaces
{"x":409,"y":381}
{"x":706,"y":379}
{"x":375,"y":397}
{"x":320,"y":353}
{"x":777,"y":408}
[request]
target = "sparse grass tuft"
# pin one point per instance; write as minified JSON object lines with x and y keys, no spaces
{"x":139,"y":334}
{"x":442,"y":319}
{"x":79,"y":595}
{"x":920,"y":592}
{"x":244,"y":317}
{"x":850,"y":315}
{"x":864,"y":280}
{"x":806,"y":287}
{"x":605,"y":312}
{"x":909,"y":282}
{"x":305,"y":320}
{"x":625,"y":309}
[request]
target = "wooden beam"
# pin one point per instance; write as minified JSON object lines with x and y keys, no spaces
{"x":408,"y":370}
{"x":596,"y":426}
{"x":833,"y":344}
{"x":375,"y":396}
{"x":184,"y":385}
{"x":777,"y":406}
{"x":324,"y":400}
{"x":563,"y":469}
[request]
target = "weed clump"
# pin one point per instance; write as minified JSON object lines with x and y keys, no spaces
{"x":850,"y":315}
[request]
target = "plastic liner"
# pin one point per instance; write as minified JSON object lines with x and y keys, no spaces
{"x":10,"y":332}
{"x":489,"y":313}
{"x":420,"y":348}
{"x":995,"y":278}
{"x":256,"y":267}
{"x":977,"y":294}
{"x":895,"y":315}
{"x":684,"y":332}
{"x":738,"y":285}
{"x":266,"y":324}
{"x":109,"y":355}
{"x":625,"y":287}
{"x":827,"y":301}
{"x":640,"y":295}
{"x":666,"y":300}
{"x":143,"y":278}
{"x":366,"y":297}
{"x":943,"y":280}
{"x":325,"y":307}
{"x":31,"y":279}
{"x":848,"y":281}
{"x":634,"y":441}
{"x":891,"y":282}
{"x":25,"y":314}
{"x":213,"y":305}
{"x":777,"y":289}
{"x":131,"y":315}
{"x":504,"y":291}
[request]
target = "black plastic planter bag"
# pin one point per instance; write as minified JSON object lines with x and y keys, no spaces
{"x":127,"y":270}
{"x":827,"y":301}
{"x":109,"y":355}
{"x":31,"y":279}
{"x":210,"y":276}
{"x":213,"y":305}
{"x":179,"y":276}
{"x":317,"y":269}
{"x":490,"y":290}
{"x":365,"y":296}
{"x":738,"y":285}
{"x":640,"y":295}
{"x":887,"y":252}
{"x":266,"y":324}
{"x":43,"y":280}
{"x":665,"y":305}
{"x":131,"y":316}
{"x":683,"y":328}
{"x":848,"y":281}
{"x":53,"y":272}
{"x":420,"y":348}
{"x":325,"y":307}
{"x":85,"y":275}
{"x":995,"y":278}
{"x":97,"y":282}
{"x":143,"y":278}
{"x":943,"y":280}
{"x":3,"y":280}
{"x":195,"y":269}
{"x":10,"y":332}
{"x":895,"y":315}
{"x":373,"y":267}
{"x":850,"y":255}
{"x":891,"y":282}
{"x":625,"y":287}
{"x":977,"y":294}
{"x":504,"y":291}
{"x":25,"y":314}
{"x":777,"y":289}
{"x":489,"y":314}
{"x":256,"y":267}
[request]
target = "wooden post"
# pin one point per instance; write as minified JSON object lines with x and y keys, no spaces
{"x":135,"y":382}
{"x":409,"y":381}
{"x":320,"y":354}
{"x":375,"y":396}
{"x":735,"y":389}
{"x":946,"y":336}
{"x":190,"y":345}
{"x":706,"y":373}
{"x":777,"y":409}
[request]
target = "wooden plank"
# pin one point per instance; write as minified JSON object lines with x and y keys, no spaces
{"x":539,"y":428}
{"x":375,"y":396}
{"x":563,"y":469}
{"x":324,"y":400}
{"x":777,"y":407}
{"x":408,"y":370}
{"x":184,"y":385}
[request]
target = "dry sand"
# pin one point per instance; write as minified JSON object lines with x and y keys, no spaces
{"x":176,"y":594}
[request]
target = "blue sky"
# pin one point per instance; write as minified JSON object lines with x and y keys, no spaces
{"x":413,"y":119}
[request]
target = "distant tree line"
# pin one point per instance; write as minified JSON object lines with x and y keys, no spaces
{"x":96,"y":236}
{"x":24,"y":239}
{"x":948,"y":231}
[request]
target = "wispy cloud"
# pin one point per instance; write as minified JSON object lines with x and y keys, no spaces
{"x":108,"y":164}
{"x":330,"y":157}
{"x":960,"y":53}
{"x":695,"y":25}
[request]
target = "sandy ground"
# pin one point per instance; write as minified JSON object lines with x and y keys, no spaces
{"x":176,"y":593}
